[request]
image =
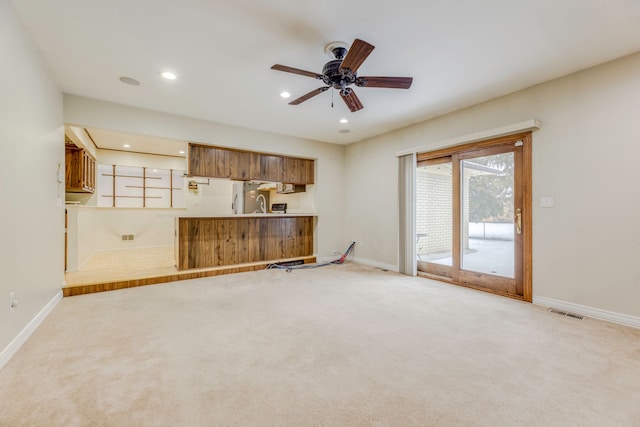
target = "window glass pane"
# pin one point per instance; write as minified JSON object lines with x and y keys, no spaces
{"x":487,"y":232}
{"x":434,"y":216}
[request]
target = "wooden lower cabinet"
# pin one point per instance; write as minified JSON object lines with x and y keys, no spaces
{"x":214,"y":242}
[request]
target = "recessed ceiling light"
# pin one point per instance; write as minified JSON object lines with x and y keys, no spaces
{"x":129,"y":81}
{"x":344,"y":121}
{"x":169,"y":75}
{"x":126,"y":145}
{"x":344,"y":131}
{"x":180,"y":152}
{"x":285,"y":94}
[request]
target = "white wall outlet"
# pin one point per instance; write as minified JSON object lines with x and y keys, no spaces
{"x":13,"y":302}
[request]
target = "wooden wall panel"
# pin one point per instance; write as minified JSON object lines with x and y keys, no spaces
{"x":218,"y":243}
{"x":212,"y":242}
{"x":231,"y":255}
{"x":308,"y":235}
{"x":301,"y":228}
{"x":254,"y":239}
{"x":242,"y":240}
{"x":280,"y":233}
{"x":200,"y":249}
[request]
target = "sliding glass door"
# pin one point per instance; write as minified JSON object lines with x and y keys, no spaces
{"x":473,"y":215}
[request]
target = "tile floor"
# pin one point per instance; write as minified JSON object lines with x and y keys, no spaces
{"x":124,"y":264}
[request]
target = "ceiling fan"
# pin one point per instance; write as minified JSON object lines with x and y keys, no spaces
{"x":342,"y":72}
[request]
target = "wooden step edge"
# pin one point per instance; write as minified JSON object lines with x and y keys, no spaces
{"x":89,"y":288}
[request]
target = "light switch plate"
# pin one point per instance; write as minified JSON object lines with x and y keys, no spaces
{"x":546,"y":202}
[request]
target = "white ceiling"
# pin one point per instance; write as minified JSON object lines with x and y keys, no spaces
{"x":459,"y":52}
{"x":120,"y":141}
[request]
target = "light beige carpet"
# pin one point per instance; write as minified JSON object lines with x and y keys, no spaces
{"x":335,"y":346}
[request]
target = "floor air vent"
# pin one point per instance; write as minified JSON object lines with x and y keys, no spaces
{"x":564,"y":313}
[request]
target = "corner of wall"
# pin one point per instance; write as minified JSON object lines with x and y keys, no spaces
{"x":12,"y":348}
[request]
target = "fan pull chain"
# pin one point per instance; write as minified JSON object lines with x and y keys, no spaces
{"x":331,"y":97}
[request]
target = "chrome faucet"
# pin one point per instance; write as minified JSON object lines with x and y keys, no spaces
{"x":263,"y":203}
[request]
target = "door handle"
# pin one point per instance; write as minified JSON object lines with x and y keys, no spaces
{"x":519,"y":221}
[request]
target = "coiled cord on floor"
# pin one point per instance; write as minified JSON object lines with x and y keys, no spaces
{"x":344,"y":258}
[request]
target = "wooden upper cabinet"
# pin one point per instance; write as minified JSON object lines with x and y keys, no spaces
{"x":271,"y":168}
{"x":224,"y":163}
{"x":311,"y":171}
{"x":242,"y":162}
{"x":254,"y":166}
{"x":202,"y":161}
{"x":216,"y":162}
{"x":299,"y":171}
{"x":80,"y":170}
{"x":295,"y":170}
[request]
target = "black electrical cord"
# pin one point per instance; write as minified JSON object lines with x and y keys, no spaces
{"x":289,"y":268}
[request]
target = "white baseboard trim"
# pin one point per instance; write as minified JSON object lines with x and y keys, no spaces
{"x":10,"y":350}
{"x":594,"y":313}
{"x":371,"y":263}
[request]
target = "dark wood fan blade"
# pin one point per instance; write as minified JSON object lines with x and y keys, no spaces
{"x":358,"y":52}
{"x":388,"y":82}
{"x":352,"y":101}
{"x":286,"y":69}
{"x":308,"y":95}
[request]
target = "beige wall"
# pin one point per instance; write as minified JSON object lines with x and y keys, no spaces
{"x":31,"y":151}
{"x":329,"y":187}
{"x":586,"y":248}
{"x":80,"y":246}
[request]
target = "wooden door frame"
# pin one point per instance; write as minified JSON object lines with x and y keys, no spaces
{"x":525,"y":176}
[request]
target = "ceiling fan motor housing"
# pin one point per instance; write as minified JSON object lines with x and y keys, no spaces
{"x":339,"y":52}
{"x":332,"y":76}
